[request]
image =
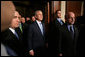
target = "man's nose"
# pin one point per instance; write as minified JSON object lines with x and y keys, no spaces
{"x":72,"y":19}
{"x":18,"y":20}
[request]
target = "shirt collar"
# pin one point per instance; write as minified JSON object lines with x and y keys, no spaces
{"x":69,"y":27}
{"x":59,"y":19}
{"x":13,"y":31}
{"x":38,"y":21}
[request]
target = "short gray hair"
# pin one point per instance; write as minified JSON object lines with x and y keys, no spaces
{"x":37,"y":11}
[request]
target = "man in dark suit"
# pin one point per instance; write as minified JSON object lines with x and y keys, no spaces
{"x":54,"y":33}
{"x":6,"y":11}
{"x":68,"y":36}
{"x":36,"y":36}
{"x":12,"y":39}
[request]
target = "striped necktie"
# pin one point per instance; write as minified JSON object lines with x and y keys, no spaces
{"x":17,"y":35}
{"x":72,"y":33}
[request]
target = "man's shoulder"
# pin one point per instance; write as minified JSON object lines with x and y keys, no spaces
{"x":63,"y":27}
{"x":32,"y":25}
{"x":75,"y":27}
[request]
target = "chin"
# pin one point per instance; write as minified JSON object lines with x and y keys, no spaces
{"x":72,"y":23}
{"x":41,"y":19}
{"x":17,"y":26}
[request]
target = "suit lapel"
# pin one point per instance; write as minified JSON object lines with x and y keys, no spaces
{"x":20,"y":34}
{"x":67,"y":31}
{"x":38,"y":29}
{"x":57,"y":23}
{"x":43,"y":28}
{"x":12,"y":35}
{"x":66,"y":28}
{"x":75,"y":32}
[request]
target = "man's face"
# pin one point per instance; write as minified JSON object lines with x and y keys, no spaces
{"x":15,"y":21}
{"x":33,"y":18}
{"x":23,"y":20}
{"x":71,"y":18}
{"x":27,"y":19}
{"x":39,"y":16}
{"x":59,"y":14}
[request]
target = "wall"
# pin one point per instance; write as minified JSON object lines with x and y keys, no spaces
{"x":74,"y":6}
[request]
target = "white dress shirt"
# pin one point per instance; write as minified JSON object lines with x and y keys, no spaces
{"x":60,"y":21}
{"x":69,"y":28}
{"x":40,"y":25}
{"x":14,"y":32}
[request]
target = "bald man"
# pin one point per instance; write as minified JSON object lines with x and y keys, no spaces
{"x":7,"y":13}
{"x":13,"y":39}
{"x":68,"y":36}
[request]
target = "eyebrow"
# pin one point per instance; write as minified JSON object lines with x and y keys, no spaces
{"x":15,"y":16}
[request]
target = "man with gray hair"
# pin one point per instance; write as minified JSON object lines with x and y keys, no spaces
{"x":36,"y":36}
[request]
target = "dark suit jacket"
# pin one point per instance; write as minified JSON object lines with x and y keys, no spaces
{"x":68,"y":45}
{"x":56,"y":28}
{"x":10,"y":40}
{"x":35,"y":37}
{"x":54,"y":37}
{"x":24,"y":34}
{"x":57,"y":24}
{"x":25,"y":28}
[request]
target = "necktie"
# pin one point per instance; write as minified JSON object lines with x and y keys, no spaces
{"x":41,"y":28}
{"x":21,"y":28}
{"x":17,"y":35}
{"x":61,"y":22}
{"x":72,"y":33}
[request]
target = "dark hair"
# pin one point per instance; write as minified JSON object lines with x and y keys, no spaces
{"x":57,"y":11}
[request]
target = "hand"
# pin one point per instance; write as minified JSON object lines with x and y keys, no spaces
{"x":60,"y":54}
{"x":31,"y":52}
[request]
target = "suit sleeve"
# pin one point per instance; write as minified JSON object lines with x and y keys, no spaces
{"x":30,"y":33}
{"x":60,"y":42}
